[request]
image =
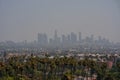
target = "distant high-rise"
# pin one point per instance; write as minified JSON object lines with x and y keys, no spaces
{"x":80,"y":37}
{"x":73,"y":37}
{"x":55,"y":35}
{"x":63,"y":39}
{"x":51,"y":41}
{"x":45,"y":38}
{"x":92,"y":38}
{"x":56,"y":39}
{"x":39,"y":37}
{"x":42,"y":39}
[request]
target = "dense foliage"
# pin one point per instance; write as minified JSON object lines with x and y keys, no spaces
{"x":64,"y":68}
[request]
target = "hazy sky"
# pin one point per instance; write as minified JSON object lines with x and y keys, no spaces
{"x":24,"y":19}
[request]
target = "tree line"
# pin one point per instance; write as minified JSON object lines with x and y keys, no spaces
{"x":57,"y":68}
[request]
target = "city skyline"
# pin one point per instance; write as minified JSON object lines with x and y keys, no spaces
{"x":23,"y":20}
{"x":77,"y":36}
{"x":70,"y":40}
{"x":73,"y":36}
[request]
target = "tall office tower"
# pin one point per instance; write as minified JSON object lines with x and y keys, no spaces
{"x":42,"y":39}
{"x":39,"y":38}
{"x":56,"y":39}
{"x":45,"y":39}
{"x":92,"y":38}
{"x":68,"y":39}
{"x":51,"y":41}
{"x":73,"y":37}
{"x":63,"y":39}
{"x":80,"y":37}
{"x":55,"y":35}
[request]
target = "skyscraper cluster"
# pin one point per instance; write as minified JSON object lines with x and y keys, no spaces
{"x":42,"y":39}
{"x":68,"y":40}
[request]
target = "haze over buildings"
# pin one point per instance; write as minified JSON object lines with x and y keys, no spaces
{"x":24,"y":19}
{"x":71,"y":39}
